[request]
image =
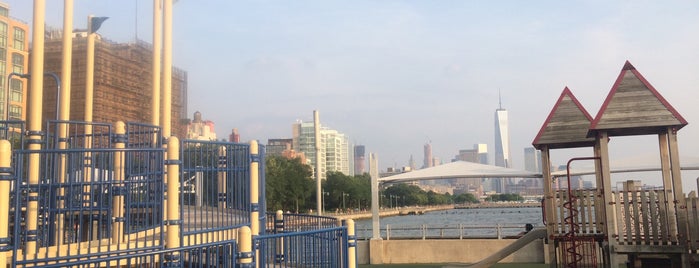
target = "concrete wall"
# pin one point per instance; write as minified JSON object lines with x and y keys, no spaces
{"x":444,"y":251}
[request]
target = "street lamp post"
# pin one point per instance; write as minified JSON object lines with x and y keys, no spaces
{"x":324,"y":194}
{"x":27,"y":76}
{"x":343,"y":200}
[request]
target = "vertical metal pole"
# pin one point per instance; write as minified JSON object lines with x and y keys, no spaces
{"x":167,"y":78}
{"x":245,"y":248}
{"x":316,"y":128}
{"x":119,"y":175}
{"x":35,"y":133}
{"x":254,"y":191}
{"x":222,"y":180}
{"x":5,"y":178}
{"x":173,"y":207}
{"x":278,"y":229}
{"x":352,"y":244}
{"x":167,"y":68}
{"x":64,"y":112}
{"x":157,"y":46}
{"x":89,"y":95}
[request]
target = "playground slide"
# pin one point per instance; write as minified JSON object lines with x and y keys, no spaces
{"x":497,"y":256}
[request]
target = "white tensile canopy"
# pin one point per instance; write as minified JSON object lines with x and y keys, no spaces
{"x":458,"y":170}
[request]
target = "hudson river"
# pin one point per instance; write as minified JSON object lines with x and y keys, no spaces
{"x":455,"y":223}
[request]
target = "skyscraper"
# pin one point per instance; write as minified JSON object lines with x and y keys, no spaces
{"x":502,"y":146}
{"x":428,"y":162}
{"x":502,"y":139}
{"x":359,"y":160}
{"x":532,"y":159}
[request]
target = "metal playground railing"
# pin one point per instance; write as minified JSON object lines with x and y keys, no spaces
{"x":119,"y":196}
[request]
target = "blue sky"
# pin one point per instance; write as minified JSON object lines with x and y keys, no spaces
{"x":394,"y":75}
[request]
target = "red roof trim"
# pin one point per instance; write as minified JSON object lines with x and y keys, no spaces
{"x":629,"y":67}
{"x":566,"y":92}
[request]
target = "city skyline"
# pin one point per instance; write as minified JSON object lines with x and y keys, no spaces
{"x":394,"y":74}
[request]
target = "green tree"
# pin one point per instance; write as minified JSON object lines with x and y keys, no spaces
{"x":465,"y":198}
{"x":289,"y":183}
{"x":344,"y":191}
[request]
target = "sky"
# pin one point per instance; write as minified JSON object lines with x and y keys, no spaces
{"x":394,"y":75}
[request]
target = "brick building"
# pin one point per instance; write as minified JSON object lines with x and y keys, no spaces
{"x":122,"y":82}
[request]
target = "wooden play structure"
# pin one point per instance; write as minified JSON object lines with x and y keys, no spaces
{"x":607,"y":227}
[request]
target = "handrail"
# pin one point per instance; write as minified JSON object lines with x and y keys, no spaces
{"x":458,"y":231}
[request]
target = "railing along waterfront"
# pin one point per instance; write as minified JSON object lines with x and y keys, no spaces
{"x":460,"y":231}
{"x":294,"y":240}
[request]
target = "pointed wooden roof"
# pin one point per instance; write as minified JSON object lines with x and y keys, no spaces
{"x":566,"y":126}
{"x":634,"y":107}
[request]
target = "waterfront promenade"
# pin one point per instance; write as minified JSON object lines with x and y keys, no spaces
{"x":389,"y":212}
{"x":366,"y":214}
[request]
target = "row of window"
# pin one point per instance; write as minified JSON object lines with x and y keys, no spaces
{"x":15,"y":112}
{"x":19,"y":37}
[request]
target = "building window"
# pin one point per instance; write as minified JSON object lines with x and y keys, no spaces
{"x":15,"y":112}
{"x":4,"y":12}
{"x":16,"y":90}
{"x":17,"y":63}
{"x":19,"y":39}
{"x":3,"y":34}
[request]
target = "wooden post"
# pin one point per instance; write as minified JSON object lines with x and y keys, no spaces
{"x":679,"y":200}
{"x":666,"y":170}
{"x":605,"y":184}
{"x":548,"y":204}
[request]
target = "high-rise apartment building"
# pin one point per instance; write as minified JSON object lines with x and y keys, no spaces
{"x":122,"y":82}
{"x":334,"y":148}
{"x":337,"y":156}
{"x":14,"y":57}
{"x":359,"y":160}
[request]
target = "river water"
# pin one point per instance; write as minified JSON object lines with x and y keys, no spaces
{"x":455,"y":223}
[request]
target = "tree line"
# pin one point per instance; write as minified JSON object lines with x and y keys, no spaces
{"x":290,"y":186}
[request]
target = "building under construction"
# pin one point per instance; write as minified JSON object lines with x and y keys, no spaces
{"x":122,"y":82}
